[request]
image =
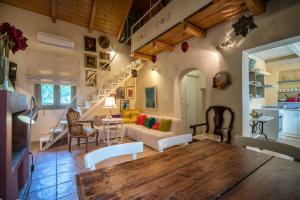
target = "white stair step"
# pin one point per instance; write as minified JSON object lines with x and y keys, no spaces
{"x":82,"y":110}
{"x":87,"y":104}
{"x":64,"y":122}
{"x":57,"y":130}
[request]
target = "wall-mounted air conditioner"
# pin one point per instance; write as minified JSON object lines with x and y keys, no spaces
{"x":56,"y":40}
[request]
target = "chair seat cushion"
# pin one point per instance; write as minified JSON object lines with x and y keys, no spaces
{"x":88,"y":131}
{"x":209,"y":136}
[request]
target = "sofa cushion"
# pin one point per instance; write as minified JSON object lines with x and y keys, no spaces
{"x":177,"y":125}
{"x":140,"y":120}
{"x":127,"y":114}
{"x":165,"y":125}
{"x":148,"y":136}
{"x":129,"y":120}
{"x":146,"y":122}
{"x":151,"y":122}
{"x":156,"y":126}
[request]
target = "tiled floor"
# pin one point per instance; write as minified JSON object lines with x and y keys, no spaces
{"x":55,"y":170}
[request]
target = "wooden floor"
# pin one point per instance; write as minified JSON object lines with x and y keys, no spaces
{"x":55,"y":170}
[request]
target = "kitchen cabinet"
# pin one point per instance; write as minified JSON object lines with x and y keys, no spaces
{"x":291,"y":122}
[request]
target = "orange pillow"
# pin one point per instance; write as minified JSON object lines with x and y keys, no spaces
{"x":156,"y":126}
{"x":140,"y":120}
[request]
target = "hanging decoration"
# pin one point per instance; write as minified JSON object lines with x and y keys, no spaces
{"x":222,"y":80}
{"x":184,"y":46}
{"x":154,"y":58}
{"x":244,"y":25}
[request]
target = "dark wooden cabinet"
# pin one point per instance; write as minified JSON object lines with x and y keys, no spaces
{"x":14,"y":159}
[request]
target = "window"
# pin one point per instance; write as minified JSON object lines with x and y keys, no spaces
{"x":52,"y":96}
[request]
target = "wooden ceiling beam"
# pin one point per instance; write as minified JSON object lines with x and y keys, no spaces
{"x":256,"y":7}
{"x":162,"y":46}
{"x":142,"y":56}
{"x":92,"y":15}
{"x":53,"y":10}
{"x":194,"y":30}
{"x":124,"y":20}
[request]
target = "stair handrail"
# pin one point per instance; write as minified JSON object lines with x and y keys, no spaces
{"x":61,"y":117}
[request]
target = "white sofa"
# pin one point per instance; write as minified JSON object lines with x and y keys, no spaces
{"x":150,"y":136}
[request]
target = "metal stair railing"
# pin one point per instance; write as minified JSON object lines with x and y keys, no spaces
{"x":53,"y":135}
{"x":52,"y":139}
{"x":108,"y":94}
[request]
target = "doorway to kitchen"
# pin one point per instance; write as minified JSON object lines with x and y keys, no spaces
{"x":271,"y":90}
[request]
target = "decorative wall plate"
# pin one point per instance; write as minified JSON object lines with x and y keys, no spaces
{"x":222,"y":80}
{"x":104,"y":42}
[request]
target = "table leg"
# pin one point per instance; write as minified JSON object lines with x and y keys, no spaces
{"x":122,"y":133}
{"x":107,"y":135}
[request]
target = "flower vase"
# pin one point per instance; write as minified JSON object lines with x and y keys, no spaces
{"x":4,"y":68}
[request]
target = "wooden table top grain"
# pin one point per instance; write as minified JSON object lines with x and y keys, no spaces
{"x":201,"y":170}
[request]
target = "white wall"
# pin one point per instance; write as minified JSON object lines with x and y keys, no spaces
{"x":30,"y":22}
{"x":279,"y":22}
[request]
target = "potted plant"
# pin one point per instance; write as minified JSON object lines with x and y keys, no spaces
{"x":11,"y":39}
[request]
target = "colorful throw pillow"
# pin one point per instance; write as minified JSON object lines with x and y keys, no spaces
{"x":151,"y":122}
{"x":165,"y":125}
{"x":135,"y":113}
{"x":140,"y":120}
{"x":156,"y":126}
{"x":126,"y":113}
{"x":146,"y":122}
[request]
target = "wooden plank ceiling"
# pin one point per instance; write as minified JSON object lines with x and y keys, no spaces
{"x":108,"y":16}
{"x":196,"y":25}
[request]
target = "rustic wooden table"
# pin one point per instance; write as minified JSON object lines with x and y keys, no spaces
{"x":201,"y":170}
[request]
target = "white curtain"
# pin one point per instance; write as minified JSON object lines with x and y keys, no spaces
{"x":52,"y":67}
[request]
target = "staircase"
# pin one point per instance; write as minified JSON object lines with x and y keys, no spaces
{"x":108,"y":88}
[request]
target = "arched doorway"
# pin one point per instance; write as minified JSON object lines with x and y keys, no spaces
{"x":189,"y":96}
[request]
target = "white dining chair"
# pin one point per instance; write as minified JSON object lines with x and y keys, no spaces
{"x":278,"y":147}
{"x":169,"y":142}
{"x":96,"y":156}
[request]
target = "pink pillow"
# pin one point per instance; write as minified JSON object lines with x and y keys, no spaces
{"x":156,"y":126}
{"x":140,"y":120}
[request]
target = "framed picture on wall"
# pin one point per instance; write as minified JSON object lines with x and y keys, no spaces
{"x":91,"y":78}
{"x":124,"y":105}
{"x":89,"y":43}
{"x":130,"y":82}
{"x":120,"y":91}
{"x":150,"y":98}
{"x":103,"y":56}
{"x":130,"y":92}
{"x":90,"y":61}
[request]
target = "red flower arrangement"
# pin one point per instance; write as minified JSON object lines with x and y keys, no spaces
{"x":12,"y":38}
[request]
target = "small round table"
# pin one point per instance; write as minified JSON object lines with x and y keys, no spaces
{"x":110,"y":126}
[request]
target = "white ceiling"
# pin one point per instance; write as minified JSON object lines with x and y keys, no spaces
{"x":278,"y":52}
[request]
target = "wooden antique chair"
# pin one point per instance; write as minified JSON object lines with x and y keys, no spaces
{"x":76,"y":129}
{"x":219,"y":132}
